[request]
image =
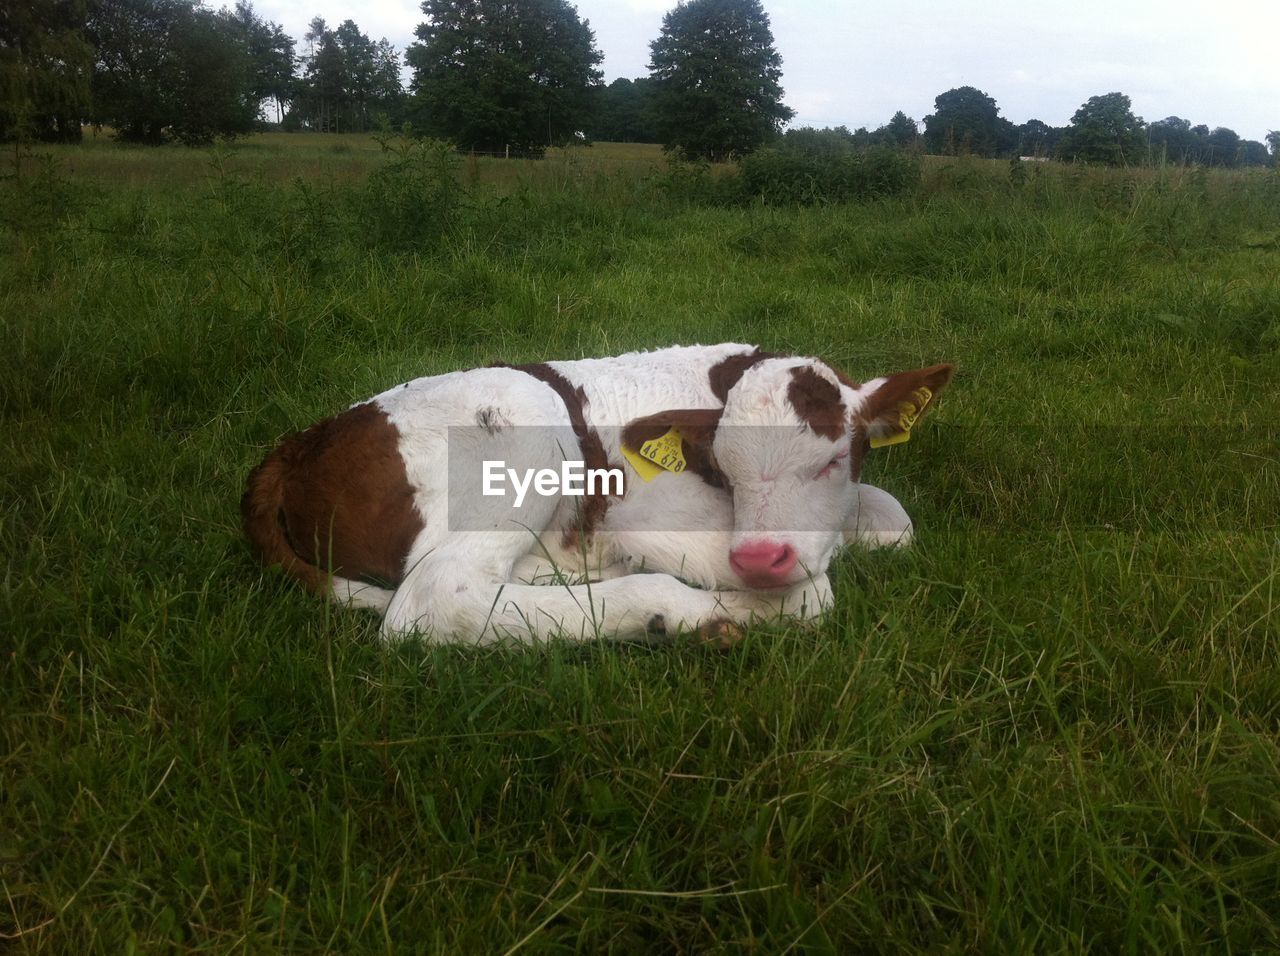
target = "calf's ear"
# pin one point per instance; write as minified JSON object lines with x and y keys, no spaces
{"x":695,"y":427}
{"x":891,"y":406}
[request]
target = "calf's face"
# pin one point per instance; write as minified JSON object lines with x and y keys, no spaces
{"x":790,"y":443}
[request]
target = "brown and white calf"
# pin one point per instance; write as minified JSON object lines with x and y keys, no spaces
{"x":740,"y":481}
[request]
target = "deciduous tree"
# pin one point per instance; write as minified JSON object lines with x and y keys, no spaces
{"x":45,"y":64}
{"x":347,"y":81}
{"x":719,"y":77}
{"x":624,"y":113}
{"x":1104,"y":130}
{"x":170,"y":68}
{"x":1172,"y":139}
{"x":1253,"y":153}
{"x":216,"y":94}
{"x":492,"y":74}
{"x":271,"y":52}
{"x":1223,"y":147}
{"x":967,"y":120}
{"x":900,"y":131}
{"x":1037,"y":138}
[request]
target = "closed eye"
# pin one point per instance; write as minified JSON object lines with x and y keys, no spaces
{"x":831,"y":466}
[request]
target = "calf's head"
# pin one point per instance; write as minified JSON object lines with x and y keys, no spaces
{"x":789,"y":445}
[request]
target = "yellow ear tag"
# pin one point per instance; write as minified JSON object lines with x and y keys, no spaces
{"x":647,"y":470}
{"x":664,"y":453}
{"x":908,"y":414}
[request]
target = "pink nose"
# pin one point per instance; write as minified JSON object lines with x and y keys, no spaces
{"x":763,"y":563}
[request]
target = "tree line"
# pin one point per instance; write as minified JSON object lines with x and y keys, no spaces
{"x":154,"y":70}
{"x":966,"y":121}
{"x":1103,"y":130}
{"x":509,"y":76}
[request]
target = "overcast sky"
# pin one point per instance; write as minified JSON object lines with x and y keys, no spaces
{"x":854,"y":64}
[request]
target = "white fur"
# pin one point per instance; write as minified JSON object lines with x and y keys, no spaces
{"x":520,"y":580}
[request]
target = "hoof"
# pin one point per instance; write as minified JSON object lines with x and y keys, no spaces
{"x":657,"y":626}
{"x":720,"y":635}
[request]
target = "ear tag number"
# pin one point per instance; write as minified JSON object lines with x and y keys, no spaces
{"x":664,"y":453}
{"x":909,"y":413}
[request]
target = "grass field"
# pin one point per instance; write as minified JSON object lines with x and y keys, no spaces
{"x":1053,"y":725}
{"x":282,"y":157}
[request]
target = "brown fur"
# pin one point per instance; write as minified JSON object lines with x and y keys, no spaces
{"x":697,"y":427}
{"x":334,"y":498}
{"x":817,"y":402}
{"x":593,"y":507}
{"x":725,"y":373}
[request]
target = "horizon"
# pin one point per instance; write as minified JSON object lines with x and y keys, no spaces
{"x":1171,"y":59}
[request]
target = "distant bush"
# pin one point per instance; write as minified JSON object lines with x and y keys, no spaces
{"x":697,"y":183}
{"x":414,"y":200}
{"x":818,"y":142}
{"x":808,"y":167}
{"x":806,"y":176}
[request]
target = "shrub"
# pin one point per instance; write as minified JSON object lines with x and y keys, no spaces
{"x":803,"y":177}
{"x":415,"y":199}
{"x":696,"y":183}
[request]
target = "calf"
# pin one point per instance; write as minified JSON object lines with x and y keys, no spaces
{"x":736,"y":480}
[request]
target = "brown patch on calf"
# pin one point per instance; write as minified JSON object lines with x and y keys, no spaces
{"x":593,"y":507}
{"x":858,"y":449}
{"x":860,"y":445}
{"x":697,"y":428}
{"x":817,"y":402}
{"x":725,"y":373}
{"x":335,"y":498}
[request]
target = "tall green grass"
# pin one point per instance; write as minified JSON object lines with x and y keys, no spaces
{"x":1052,"y":725}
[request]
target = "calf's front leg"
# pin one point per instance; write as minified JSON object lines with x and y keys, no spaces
{"x":451,"y":594}
{"x":806,"y":601}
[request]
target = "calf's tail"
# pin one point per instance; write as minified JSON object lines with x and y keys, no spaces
{"x":262,"y":511}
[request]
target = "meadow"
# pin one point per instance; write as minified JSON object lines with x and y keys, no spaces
{"x":1052,"y":725}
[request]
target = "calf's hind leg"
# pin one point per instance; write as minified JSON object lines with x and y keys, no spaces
{"x":878,"y":520}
